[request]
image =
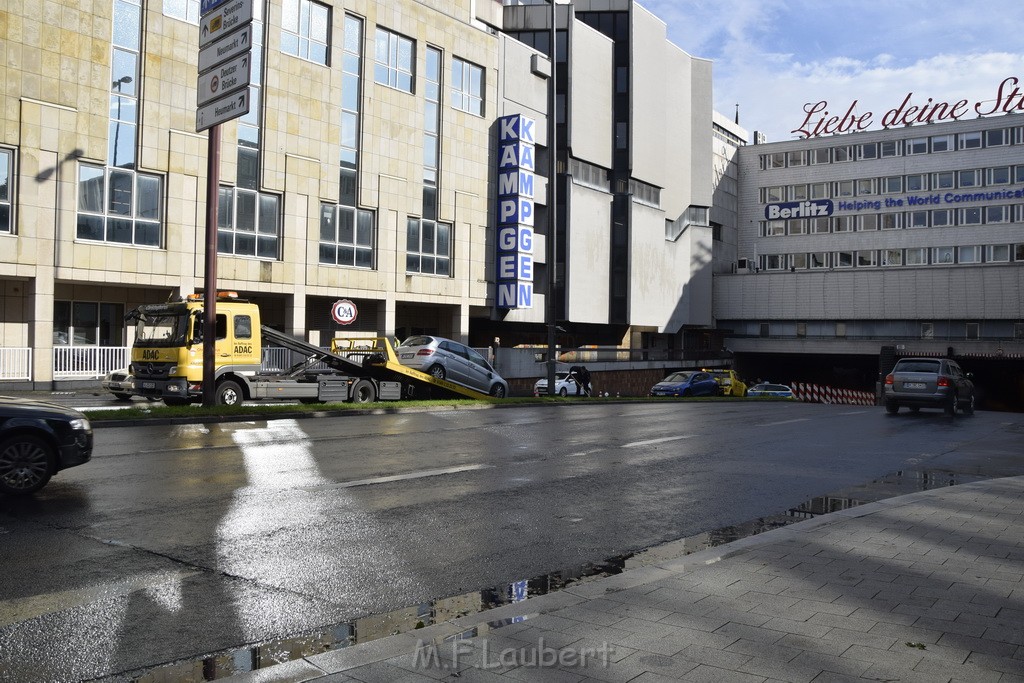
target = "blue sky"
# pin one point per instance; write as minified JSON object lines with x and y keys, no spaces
{"x":774,"y":56}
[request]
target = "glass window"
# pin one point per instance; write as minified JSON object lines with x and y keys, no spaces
{"x":942,"y":218}
{"x":1018,"y":174}
{"x":304,"y":30}
{"x":999,"y":175}
{"x":797,"y":261}
{"x":869,"y":150}
{"x":843,"y":188}
{"x":942,"y":143}
{"x":774,"y":194}
{"x":969,"y":255}
{"x":892,"y":184}
{"x":774,"y":261}
{"x":997,"y":214}
{"x":467,"y":87}
{"x":843,"y":259}
{"x":394,"y":56}
{"x":892,"y":257}
{"x":997,"y":137}
{"x":942,"y":255}
{"x":997,"y":253}
{"x":119,"y":206}
{"x":820,"y":224}
{"x":844,"y":153}
{"x":248,"y":223}
{"x":917,"y":257}
{"x":866,"y":258}
{"x":970,"y":178}
{"x":796,"y":158}
{"x":777,"y":160}
{"x":346,"y":236}
{"x":917,"y":219}
{"x":6,"y":192}
{"x":890,"y":221}
{"x":844,"y":223}
{"x":428,"y":247}
{"x":917,"y":182}
{"x":775,"y":228}
{"x":970,"y":140}
{"x":866,"y":187}
{"x":186,"y":10}
{"x":917,"y":146}
{"x":797,"y":192}
{"x":796,"y":226}
{"x":868,"y":222}
{"x":820,"y":155}
{"x":820,"y":190}
{"x":927,"y":330}
{"x":889,"y":148}
{"x":818,"y":259}
{"x":944,"y":180}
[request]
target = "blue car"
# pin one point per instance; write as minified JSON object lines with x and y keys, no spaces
{"x":687,"y":383}
{"x":771,"y":390}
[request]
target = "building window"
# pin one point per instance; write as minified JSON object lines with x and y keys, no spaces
{"x":775,"y":228}
{"x":970,"y":140}
{"x":774,"y":261}
{"x":346,"y":236}
{"x":917,"y":146}
{"x":820,"y":155}
{"x":775,"y":193}
{"x":997,"y":253}
{"x":797,"y":261}
{"x":869,"y":150}
{"x":970,"y":216}
{"x":892,"y":184}
{"x":186,"y":10}
{"x":997,"y":214}
{"x":970,"y":178}
{"x":394,"y":56}
{"x":944,"y":180}
{"x":801,"y":329}
{"x":844,"y":259}
{"x":973,"y":331}
{"x":942,"y":218}
{"x":844,"y":188}
{"x":840,"y":329}
{"x":247,"y":223}
{"x":765,"y":330}
{"x":651,"y":196}
{"x":428,"y":247}
{"x":892,"y":257}
{"x":942,"y":255}
{"x":6,"y":191}
{"x":866,"y":187}
{"x":969,"y":255}
{"x":841,"y":154}
{"x":868,"y":222}
{"x":819,"y":191}
{"x":796,"y":158}
{"x":1000,"y":175}
{"x":927,"y":330}
{"x":867,"y":258}
{"x":817,"y":259}
{"x":917,"y":257}
{"x":797,"y":193}
{"x":917,"y":182}
{"x":777,"y":160}
{"x":88,"y":323}
{"x":820,"y":225}
{"x":467,"y":87}
{"x":304,"y":30}
{"x":997,"y":137}
{"x":917,"y":219}
{"x":796,"y":226}
{"x":844,"y":223}
{"x":890,"y":221}
{"x":942,"y":143}
{"x":890,"y":148}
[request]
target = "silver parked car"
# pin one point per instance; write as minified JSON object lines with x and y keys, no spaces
{"x":928,"y":383}
{"x":450,"y":360}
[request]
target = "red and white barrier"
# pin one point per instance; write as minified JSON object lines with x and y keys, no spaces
{"x":816,"y":393}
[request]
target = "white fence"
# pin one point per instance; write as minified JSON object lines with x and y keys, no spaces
{"x":88,"y":362}
{"x":15,"y":363}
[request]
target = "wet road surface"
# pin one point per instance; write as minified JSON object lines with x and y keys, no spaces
{"x":178,"y":541}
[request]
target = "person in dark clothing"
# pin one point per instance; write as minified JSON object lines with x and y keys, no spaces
{"x":583,"y":381}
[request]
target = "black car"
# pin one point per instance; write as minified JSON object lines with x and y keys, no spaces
{"x":37,"y":440}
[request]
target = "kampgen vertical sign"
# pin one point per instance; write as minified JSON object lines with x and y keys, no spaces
{"x":516,"y":164}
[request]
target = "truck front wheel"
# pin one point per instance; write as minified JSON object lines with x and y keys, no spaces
{"x":229,"y":393}
{"x":364,"y":392}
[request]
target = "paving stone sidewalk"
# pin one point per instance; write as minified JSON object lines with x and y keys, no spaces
{"x":924,"y":587}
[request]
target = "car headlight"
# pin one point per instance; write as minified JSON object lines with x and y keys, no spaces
{"x":79,"y":424}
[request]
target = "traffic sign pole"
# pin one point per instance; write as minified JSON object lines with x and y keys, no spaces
{"x":210,"y":274}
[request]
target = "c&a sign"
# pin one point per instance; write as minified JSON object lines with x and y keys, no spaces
{"x":516,"y":164}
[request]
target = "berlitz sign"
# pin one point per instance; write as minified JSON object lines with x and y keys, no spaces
{"x":818,"y":120}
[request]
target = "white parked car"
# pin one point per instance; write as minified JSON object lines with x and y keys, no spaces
{"x":565,"y":385}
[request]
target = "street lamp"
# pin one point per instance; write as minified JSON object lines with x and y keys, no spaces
{"x":117,"y":131}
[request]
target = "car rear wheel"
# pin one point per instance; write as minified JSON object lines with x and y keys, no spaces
{"x":951,"y":405}
{"x":892,"y":408}
{"x":437,"y":371}
{"x":968,"y":407}
{"x":563,"y":392}
{"x":26,"y":464}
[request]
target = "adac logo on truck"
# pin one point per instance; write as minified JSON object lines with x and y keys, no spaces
{"x":516,"y":164}
{"x":810,"y":208}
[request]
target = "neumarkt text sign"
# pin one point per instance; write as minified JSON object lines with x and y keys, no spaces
{"x":226,"y":108}
{"x":227,"y":47}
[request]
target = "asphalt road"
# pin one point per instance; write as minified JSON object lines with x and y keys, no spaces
{"x":182,"y":540}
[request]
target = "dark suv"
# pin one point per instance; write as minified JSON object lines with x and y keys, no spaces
{"x":37,"y":440}
{"x":928,"y":383}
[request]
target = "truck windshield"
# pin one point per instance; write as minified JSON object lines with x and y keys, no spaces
{"x":161,"y":330}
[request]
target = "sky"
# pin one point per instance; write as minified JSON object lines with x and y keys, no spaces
{"x":773,"y":57}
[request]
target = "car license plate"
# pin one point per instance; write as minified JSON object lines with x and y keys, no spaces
{"x":149,"y":385}
{"x":407,"y":355}
{"x":913,"y":385}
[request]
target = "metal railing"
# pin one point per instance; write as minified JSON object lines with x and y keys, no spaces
{"x":16,"y":363}
{"x":88,"y":362}
{"x":278,"y":359}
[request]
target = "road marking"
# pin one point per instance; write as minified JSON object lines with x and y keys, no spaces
{"x":651,"y":442}
{"x":783,"y":422}
{"x":855,"y":412}
{"x":422,"y":474}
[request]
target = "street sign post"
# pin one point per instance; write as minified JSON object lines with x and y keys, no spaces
{"x":224,"y":109}
{"x":224,"y":79}
{"x":224,"y":20}
{"x":226,"y":47}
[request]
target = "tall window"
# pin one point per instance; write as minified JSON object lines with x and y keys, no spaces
{"x":304,"y":30}
{"x":394,"y":55}
{"x":248,"y":222}
{"x":115,"y":202}
{"x":467,"y":87}
{"x":347,"y":234}
{"x":428,"y":242}
{"x":87,"y":323}
{"x":186,"y":10}
{"x":6,"y":175}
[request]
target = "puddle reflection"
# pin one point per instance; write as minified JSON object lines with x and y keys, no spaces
{"x":365,"y":629}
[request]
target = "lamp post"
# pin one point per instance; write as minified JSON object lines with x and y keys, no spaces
{"x":551,"y":309}
{"x":117,"y":131}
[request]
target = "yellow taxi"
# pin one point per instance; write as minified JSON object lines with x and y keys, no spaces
{"x":729,"y":381}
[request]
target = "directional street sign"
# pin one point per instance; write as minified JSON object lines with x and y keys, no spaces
{"x":206,"y":6}
{"x":224,"y":109}
{"x":224,"y":79}
{"x":227,"y":47}
{"x":225,"y":19}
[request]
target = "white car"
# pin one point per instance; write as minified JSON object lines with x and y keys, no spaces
{"x":565,"y":385}
{"x":120,"y":383}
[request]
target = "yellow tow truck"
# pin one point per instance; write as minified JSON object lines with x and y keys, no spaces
{"x":167,"y":360}
{"x":729,"y":381}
